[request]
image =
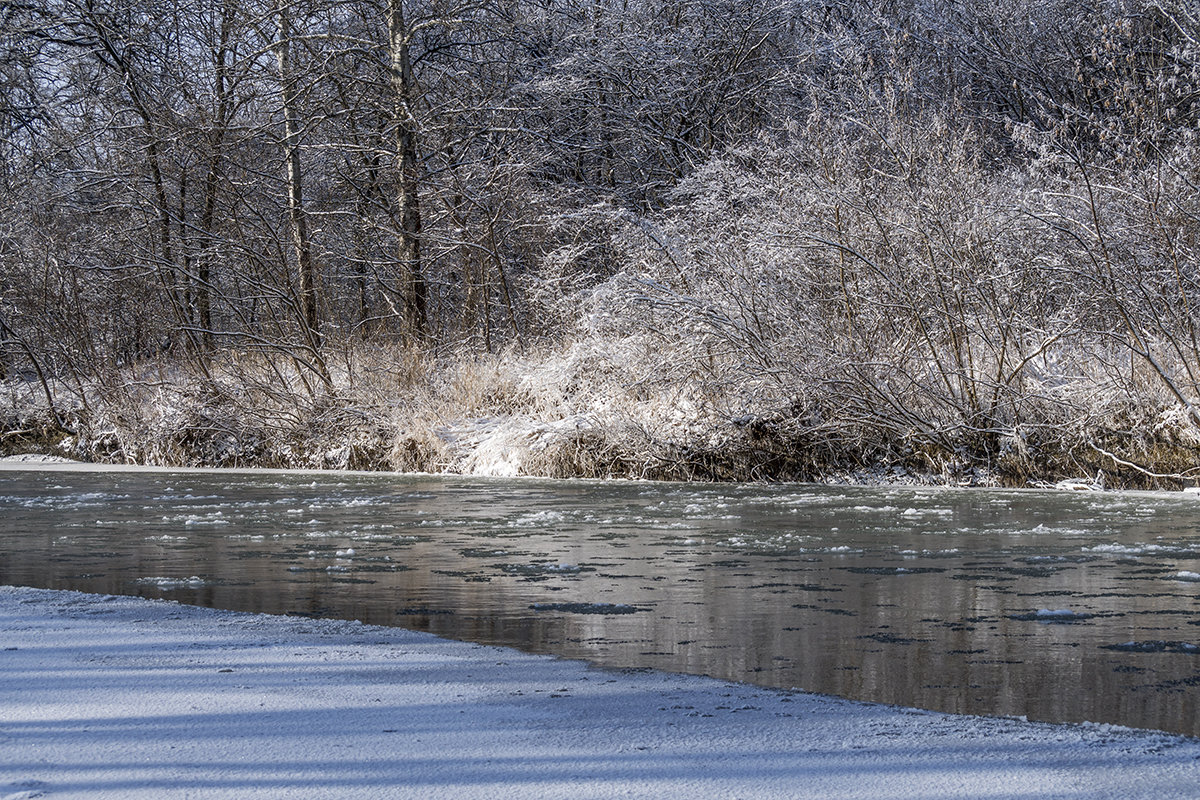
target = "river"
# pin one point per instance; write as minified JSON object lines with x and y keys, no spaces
{"x":1057,"y":606}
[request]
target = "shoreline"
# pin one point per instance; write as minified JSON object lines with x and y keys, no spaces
{"x":50,"y":463}
{"x":112,"y":696}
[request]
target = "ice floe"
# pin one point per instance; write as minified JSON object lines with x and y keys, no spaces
{"x":172,"y":583}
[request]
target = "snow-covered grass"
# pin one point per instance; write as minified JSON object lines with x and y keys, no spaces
{"x":117,"y":697}
{"x":583,"y":409}
{"x":618,"y":400}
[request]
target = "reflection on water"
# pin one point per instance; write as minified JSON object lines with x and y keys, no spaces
{"x":1057,"y":606}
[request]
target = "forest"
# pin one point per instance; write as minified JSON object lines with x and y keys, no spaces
{"x":951,"y":240}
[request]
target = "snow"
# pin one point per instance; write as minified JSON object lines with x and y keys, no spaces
{"x":1127,"y":549}
{"x":117,"y":697}
{"x":172,"y":583}
{"x":37,"y":458}
{"x":1080,"y":485}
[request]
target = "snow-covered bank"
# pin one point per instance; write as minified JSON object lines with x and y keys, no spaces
{"x":129,"y":698}
{"x":582,"y":410}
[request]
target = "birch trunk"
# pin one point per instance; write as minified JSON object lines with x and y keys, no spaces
{"x":413,"y":289}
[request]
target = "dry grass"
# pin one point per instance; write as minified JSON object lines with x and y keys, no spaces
{"x":598,"y":408}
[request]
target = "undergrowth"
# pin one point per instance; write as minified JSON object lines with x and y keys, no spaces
{"x":572,"y":411}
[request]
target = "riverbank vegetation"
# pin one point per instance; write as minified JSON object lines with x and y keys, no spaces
{"x":696,"y":239}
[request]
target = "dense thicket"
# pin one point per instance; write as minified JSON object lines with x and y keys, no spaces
{"x":676,"y":238}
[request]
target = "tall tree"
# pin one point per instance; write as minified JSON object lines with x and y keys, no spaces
{"x":305,"y":266}
{"x":413,"y":286}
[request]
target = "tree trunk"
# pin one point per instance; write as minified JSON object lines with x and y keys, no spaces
{"x":306,"y":269}
{"x":413,"y":289}
{"x":204,"y":276}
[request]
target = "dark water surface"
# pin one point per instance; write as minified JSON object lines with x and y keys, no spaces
{"x":1058,"y":606}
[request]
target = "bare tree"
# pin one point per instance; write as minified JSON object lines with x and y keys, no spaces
{"x":305,"y":266}
{"x":413,"y":290}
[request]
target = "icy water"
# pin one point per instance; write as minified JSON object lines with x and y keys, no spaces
{"x":1056,"y":606}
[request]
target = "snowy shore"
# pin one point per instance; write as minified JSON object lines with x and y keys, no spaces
{"x":117,"y":697}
